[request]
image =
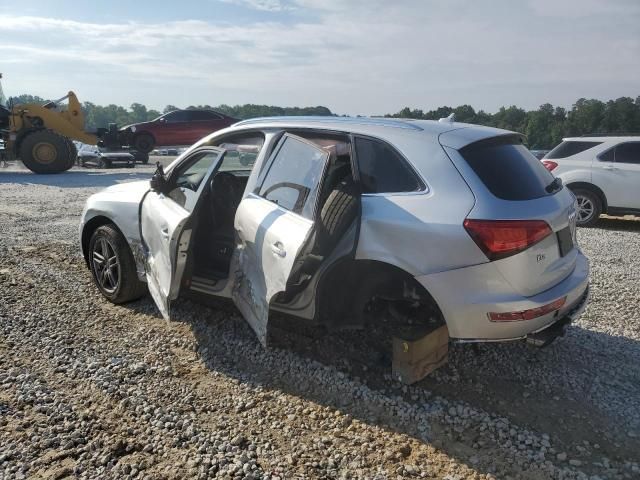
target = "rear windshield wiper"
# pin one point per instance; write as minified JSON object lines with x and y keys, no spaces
{"x":554,"y":186}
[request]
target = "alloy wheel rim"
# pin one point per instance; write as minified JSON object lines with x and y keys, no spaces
{"x":106,"y":265}
{"x":585,"y":208}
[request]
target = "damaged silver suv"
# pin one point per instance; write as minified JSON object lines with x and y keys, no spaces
{"x":339,"y":221}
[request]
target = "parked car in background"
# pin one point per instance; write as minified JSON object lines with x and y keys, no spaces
{"x":93,"y":156}
{"x":180,"y":127}
{"x":350,"y":222}
{"x":603,"y":172}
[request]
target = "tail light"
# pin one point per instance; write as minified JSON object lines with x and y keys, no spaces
{"x":549,"y":165}
{"x":527,"y":314}
{"x":503,"y":238}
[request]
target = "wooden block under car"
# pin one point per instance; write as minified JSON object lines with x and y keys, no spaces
{"x":415,"y":357}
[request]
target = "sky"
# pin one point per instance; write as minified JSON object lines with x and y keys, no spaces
{"x":365,"y":57}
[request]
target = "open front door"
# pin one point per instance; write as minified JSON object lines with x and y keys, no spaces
{"x":273,"y":224}
{"x":166,"y":224}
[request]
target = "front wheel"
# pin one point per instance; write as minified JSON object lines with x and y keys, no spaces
{"x":113,"y":266}
{"x":144,"y":143}
{"x":45,"y":151}
{"x":589,"y":207}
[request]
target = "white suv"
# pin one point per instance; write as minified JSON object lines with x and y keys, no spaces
{"x":602,"y":172}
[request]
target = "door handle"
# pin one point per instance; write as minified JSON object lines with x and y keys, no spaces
{"x":610,"y":167}
{"x":278,"y":249}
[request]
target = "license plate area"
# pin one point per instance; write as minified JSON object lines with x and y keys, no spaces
{"x":565,"y":241}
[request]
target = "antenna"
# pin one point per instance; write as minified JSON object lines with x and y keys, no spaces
{"x":450,"y":119}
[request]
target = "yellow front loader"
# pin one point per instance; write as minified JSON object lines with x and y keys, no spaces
{"x":41,"y":135}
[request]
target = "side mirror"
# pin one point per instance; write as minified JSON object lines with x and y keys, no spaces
{"x":158,"y":181}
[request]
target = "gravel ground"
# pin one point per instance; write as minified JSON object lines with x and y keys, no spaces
{"x":93,"y":390}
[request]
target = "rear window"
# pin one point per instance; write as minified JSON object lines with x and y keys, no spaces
{"x":507,"y":168}
{"x":571,"y":147}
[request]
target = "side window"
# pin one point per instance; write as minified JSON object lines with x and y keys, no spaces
{"x":293,"y":178}
{"x":187,"y":178}
{"x":628,"y":153}
{"x":202,"y":116}
{"x":177,"y":116}
{"x":383,"y":170}
{"x":608,"y":156}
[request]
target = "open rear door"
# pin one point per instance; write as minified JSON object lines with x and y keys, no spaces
{"x":273,"y":224}
{"x":165,"y":224}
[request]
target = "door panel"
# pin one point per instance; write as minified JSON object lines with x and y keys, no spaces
{"x":270,"y":239}
{"x":165,"y":224}
{"x":617,"y":173}
{"x":270,"y":235}
{"x":162,"y":221}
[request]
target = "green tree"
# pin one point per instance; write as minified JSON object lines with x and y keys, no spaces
{"x":510,"y":118}
{"x":138,"y":113}
{"x":539,"y":126}
{"x":586,"y":116}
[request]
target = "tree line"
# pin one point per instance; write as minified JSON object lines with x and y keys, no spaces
{"x":544,"y":127}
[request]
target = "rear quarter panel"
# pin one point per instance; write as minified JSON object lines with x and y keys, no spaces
{"x":420,"y":232}
{"x":571,"y":171}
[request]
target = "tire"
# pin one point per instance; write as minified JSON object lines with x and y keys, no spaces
{"x":44,"y":151}
{"x":73,"y":152}
{"x":121,"y":284}
{"x":337,"y":214}
{"x":103,"y":163}
{"x":589,"y":207}
{"x":144,"y":142}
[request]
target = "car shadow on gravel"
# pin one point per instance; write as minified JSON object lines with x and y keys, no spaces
{"x":73,"y":178}
{"x":630,"y":224}
{"x":345,"y":372}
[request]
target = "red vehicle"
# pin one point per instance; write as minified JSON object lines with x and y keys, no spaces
{"x":180,"y":127}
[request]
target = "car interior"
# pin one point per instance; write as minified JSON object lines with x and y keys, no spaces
{"x":214,"y":233}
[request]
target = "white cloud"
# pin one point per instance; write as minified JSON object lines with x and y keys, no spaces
{"x":265,"y":5}
{"x":355,"y":57}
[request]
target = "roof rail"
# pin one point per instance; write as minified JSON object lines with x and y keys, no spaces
{"x":385,"y":122}
{"x":622,"y":134}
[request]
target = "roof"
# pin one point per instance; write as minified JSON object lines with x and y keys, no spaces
{"x":464,"y":132}
{"x":328,"y":120}
{"x":603,"y":138}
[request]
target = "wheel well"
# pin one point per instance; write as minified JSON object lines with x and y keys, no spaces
{"x":347,"y":286}
{"x":91,"y":226}
{"x":594,"y":189}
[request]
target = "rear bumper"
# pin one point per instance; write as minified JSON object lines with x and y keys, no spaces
{"x":545,"y":336}
{"x":466,"y":295}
